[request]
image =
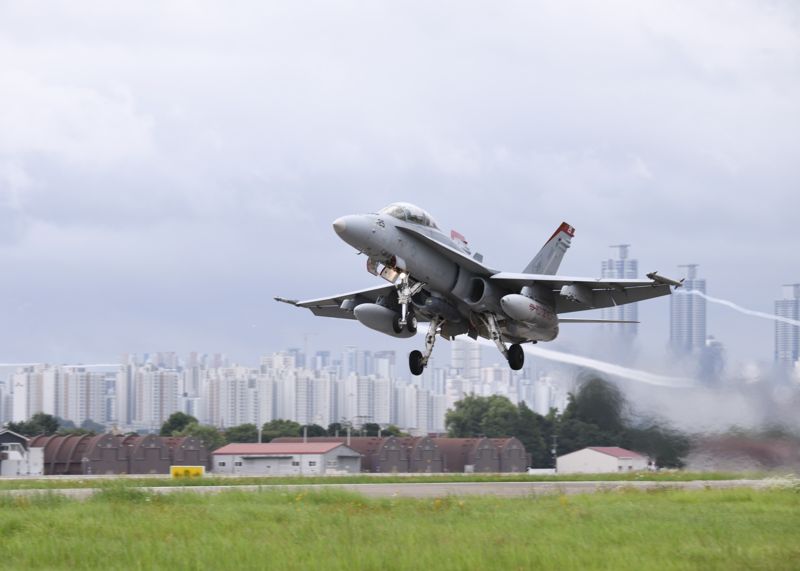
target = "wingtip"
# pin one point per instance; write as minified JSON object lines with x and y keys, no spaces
{"x":284,"y":300}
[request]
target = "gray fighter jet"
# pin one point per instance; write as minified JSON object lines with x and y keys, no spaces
{"x":437,"y":279}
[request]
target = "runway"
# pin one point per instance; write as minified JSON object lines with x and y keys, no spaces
{"x":432,"y":489}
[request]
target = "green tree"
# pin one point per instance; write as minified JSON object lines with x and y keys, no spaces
{"x":600,"y":403}
{"x":279,"y":427}
{"x":465,"y":419}
{"x":493,"y":416}
{"x":176,"y":422}
{"x":39,"y":423}
{"x":370,"y":429}
{"x":242,"y":433}
{"x":501,"y":418}
{"x":529,"y":431}
{"x":337,"y":429}
{"x":210,"y":436}
{"x":313,"y":430}
{"x":392,"y":430}
{"x":665,"y":445}
{"x":92,"y":426}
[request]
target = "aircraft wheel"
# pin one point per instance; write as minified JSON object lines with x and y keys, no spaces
{"x":396,"y":325}
{"x":415,"y":363}
{"x":516,"y":357}
{"x":411,"y":324}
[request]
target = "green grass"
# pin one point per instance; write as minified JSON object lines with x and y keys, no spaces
{"x":126,"y":528}
{"x":78,"y":482}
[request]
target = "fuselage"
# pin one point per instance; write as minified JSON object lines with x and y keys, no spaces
{"x":395,"y":238}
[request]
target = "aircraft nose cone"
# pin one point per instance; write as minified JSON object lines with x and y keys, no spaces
{"x":339,"y":225}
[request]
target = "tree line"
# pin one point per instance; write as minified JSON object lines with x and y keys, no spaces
{"x":597,"y":414}
{"x":182,"y":424}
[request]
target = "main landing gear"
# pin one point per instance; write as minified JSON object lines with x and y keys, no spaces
{"x":417,"y":361}
{"x":514,"y":354}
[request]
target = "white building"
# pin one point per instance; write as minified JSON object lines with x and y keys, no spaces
{"x":16,"y":458}
{"x":787,"y":336}
{"x":286,"y":459}
{"x":687,"y":325}
{"x":600,"y":460}
{"x":156,"y":395}
{"x":465,"y":359}
{"x":621,"y":268}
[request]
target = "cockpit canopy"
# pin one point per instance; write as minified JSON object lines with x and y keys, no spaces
{"x":409,"y":213}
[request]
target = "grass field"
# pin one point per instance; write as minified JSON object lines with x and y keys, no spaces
{"x":95,"y":482}
{"x":126,"y":528}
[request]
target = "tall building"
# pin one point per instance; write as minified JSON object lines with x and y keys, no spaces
{"x":28,"y":397}
{"x":621,"y":268}
{"x":687,"y":327}
{"x":465,"y":360}
{"x":156,"y":395}
{"x":787,"y":336}
{"x":84,"y":395}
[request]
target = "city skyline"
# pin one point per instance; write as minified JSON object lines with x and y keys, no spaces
{"x":360,"y":386}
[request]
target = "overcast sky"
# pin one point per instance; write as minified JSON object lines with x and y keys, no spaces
{"x":168,"y":167}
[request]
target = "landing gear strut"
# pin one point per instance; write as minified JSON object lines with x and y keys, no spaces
{"x":514,"y":354}
{"x":417,"y":361}
{"x":405,"y":291}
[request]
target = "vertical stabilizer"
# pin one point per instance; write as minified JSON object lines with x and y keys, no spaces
{"x":549,"y":257}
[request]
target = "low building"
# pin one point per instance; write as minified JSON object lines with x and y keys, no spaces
{"x":468,"y":454}
{"x":286,"y":459}
{"x":600,"y":460}
{"x":423,"y":454}
{"x":377,"y":454}
{"x":17,"y":458}
{"x":513,"y":456}
{"x":115,"y":454}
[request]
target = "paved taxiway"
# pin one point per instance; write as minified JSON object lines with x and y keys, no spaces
{"x":435,"y":489}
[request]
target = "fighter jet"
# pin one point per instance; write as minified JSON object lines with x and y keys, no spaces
{"x":437,"y":279}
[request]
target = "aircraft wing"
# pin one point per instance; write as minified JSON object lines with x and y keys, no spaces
{"x":332,"y":306}
{"x":450,"y":253}
{"x":580,"y":294}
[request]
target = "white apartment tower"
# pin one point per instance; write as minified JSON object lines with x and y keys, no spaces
{"x":465,"y":360}
{"x":156,"y":394}
{"x":687,"y":331}
{"x":621,"y":268}
{"x":787,"y":336}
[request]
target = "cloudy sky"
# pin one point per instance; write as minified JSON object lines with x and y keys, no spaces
{"x":167,"y":167}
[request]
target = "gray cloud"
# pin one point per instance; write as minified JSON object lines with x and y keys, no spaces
{"x":165,"y":168}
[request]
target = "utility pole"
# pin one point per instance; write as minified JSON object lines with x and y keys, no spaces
{"x":554,"y":451}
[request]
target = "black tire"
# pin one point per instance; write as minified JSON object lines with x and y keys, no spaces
{"x":411,"y":324}
{"x":415,"y":363}
{"x":396,"y":325}
{"x":516,"y":357}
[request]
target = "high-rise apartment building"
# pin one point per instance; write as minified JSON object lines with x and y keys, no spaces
{"x":687,"y":330}
{"x":465,"y":360}
{"x":156,"y":395}
{"x":787,"y":336}
{"x":621,"y":268}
